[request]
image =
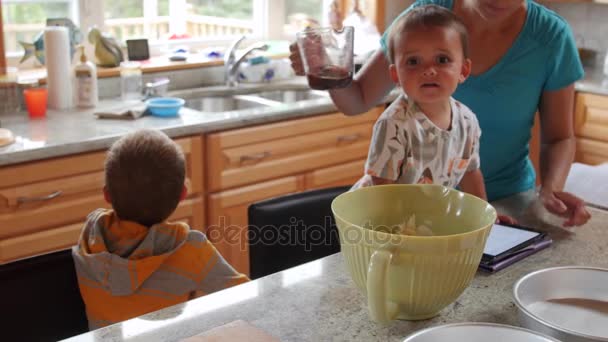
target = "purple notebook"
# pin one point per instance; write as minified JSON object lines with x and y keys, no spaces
{"x":516,"y":256}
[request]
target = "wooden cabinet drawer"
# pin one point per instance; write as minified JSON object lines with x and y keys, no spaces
{"x":228,"y":217}
{"x":591,"y":118}
{"x":42,"y":202}
{"x":286,"y":148}
{"x":591,"y":152}
{"x":340,"y":175}
{"x":190,"y":211}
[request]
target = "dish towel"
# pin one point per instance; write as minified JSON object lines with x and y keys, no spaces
{"x":130,"y":111}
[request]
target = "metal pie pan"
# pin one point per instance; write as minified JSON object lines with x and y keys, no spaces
{"x":477,"y":332}
{"x":568,"y":303}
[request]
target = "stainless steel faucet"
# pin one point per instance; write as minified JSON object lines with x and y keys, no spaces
{"x":158,"y":87}
{"x":232,"y":63}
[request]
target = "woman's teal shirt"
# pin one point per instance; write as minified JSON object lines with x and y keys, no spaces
{"x":506,"y":97}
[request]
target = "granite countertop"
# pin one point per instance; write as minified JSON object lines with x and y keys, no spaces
{"x":318,"y":301}
{"x":73,"y":131}
{"x":68,"y":132}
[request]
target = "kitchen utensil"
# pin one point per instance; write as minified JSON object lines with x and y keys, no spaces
{"x":165,"y":106}
{"x":477,"y":332}
{"x":404,"y":276}
{"x":568,"y":303}
{"x":327,"y":55}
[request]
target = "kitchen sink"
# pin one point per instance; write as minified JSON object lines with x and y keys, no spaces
{"x":225,"y":103}
{"x":218,"y":100}
{"x":291,"y":95}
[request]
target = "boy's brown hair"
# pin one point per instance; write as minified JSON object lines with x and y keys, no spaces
{"x":425,"y":17}
{"x":144,"y":173}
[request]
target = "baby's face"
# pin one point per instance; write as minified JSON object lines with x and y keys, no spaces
{"x":429,"y":64}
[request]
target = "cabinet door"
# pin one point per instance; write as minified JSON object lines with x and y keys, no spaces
{"x":591,"y":127}
{"x":339,"y":175}
{"x":227,"y":217}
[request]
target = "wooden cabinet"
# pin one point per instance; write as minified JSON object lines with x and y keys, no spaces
{"x":591,"y":128}
{"x":244,"y":156}
{"x":339,"y":175}
{"x":251,"y":164}
{"x":227,"y":228}
{"x":43,"y":204}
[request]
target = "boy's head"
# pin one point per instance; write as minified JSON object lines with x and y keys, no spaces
{"x":428,"y":52}
{"x":145,"y":173}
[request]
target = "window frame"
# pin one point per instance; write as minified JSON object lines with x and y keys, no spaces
{"x":86,"y":14}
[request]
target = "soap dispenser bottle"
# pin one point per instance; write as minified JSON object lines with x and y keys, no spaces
{"x":85,"y":74}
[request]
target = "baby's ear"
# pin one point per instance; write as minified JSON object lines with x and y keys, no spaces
{"x":466,"y":70}
{"x":392,"y":69}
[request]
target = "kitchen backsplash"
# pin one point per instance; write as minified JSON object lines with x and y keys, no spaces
{"x":589,"y":21}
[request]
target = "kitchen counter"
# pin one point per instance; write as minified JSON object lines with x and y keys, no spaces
{"x":594,"y":82}
{"x":319,"y":302}
{"x":75,"y":131}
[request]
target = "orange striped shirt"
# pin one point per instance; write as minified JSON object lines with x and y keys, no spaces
{"x":126,"y":270}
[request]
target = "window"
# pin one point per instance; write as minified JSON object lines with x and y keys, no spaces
{"x":164,"y":20}
{"x":24,"y":20}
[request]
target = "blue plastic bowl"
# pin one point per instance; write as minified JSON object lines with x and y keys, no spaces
{"x":165,"y":106}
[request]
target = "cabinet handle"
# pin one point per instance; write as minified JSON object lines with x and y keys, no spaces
{"x":21,"y":200}
{"x":349,"y":138}
{"x":254,"y":157}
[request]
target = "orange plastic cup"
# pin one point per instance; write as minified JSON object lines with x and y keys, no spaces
{"x":35,"y":101}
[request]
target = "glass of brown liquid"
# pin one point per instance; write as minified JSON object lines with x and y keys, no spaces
{"x":327,"y":55}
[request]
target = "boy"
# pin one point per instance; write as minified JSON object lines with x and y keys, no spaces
{"x":129,"y":260}
{"x":427,"y":137}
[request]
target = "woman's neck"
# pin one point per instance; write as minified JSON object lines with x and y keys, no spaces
{"x":440,"y":113}
{"x":476,"y":23}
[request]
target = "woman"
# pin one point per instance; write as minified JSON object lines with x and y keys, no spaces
{"x":524,"y":59}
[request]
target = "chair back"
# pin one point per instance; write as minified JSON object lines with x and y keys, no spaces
{"x":41,"y":300}
{"x":291,"y":230}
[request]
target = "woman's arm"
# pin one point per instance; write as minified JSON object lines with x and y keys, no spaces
{"x":369,"y":86}
{"x":558,"y":145}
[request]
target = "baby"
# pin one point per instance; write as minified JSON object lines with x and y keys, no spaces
{"x":425,"y":136}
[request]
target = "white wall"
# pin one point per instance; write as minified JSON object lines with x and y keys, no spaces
{"x":589,"y":23}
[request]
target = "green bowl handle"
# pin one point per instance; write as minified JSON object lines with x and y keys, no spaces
{"x":380,"y":309}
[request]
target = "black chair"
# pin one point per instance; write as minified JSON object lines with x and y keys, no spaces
{"x":40,"y":299}
{"x":291,"y":230}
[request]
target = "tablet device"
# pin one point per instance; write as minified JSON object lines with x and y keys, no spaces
{"x":505,"y":240}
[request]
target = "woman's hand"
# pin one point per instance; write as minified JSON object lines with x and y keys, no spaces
{"x":296,"y":59}
{"x":565,"y":204}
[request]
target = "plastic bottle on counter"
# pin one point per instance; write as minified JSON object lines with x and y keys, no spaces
{"x":85,"y":74}
{"x":130,"y":80}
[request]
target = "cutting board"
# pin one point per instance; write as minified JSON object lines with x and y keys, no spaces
{"x":589,"y":183}
{"x":234,"y":331}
